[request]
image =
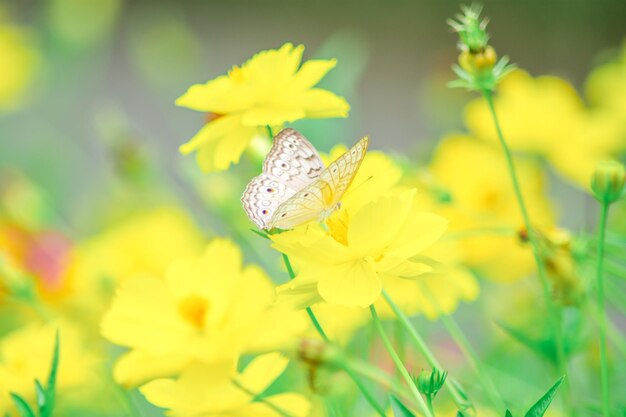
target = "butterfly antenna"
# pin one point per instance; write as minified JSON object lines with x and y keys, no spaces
{"x":358,"y":185}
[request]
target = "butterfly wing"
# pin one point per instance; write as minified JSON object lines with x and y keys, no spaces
{"x":291,"y":164}
{"x":323,"y":194}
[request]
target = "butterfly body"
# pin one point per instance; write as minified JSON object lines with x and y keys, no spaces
{"x":295,"y":187}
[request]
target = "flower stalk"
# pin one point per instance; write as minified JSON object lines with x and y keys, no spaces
{"x":345,"y":366}
{"x":607,"y":185}
{"x":459,"y":398}
{"x":399,"y":365}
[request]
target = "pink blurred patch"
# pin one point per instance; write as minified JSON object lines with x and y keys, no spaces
{"x":47,"y":256}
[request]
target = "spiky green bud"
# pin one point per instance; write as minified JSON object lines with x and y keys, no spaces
{"x":430,"y":382}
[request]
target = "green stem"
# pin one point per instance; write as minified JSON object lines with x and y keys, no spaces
{"x":309,"y":311}
{"x":553,"y":311}
{"x":344,"y":365}
{"x":472,"y":357}
{"x":398,"y":362}
{"x":429,"y":403}
{"x":458,"y":398}
{"x":382,"y":378}
{"x":256,"y":397}
{"x":604,"y":369}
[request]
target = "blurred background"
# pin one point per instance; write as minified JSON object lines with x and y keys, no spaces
{"x":93,"y":79}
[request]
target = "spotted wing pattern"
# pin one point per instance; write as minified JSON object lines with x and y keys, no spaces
{"x":322,"y":196}
{"x":291,"y":164}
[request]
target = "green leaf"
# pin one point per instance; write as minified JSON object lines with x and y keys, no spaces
{"x":22,"y":406}
{"x":50,"y":391}
{"x":41,"y":397}
{"x":399,"y":409}
{"x":508,"y":414}
{"x":540,"y":407}
{"x":543,"y":346}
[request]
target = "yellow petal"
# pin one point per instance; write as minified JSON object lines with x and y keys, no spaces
{"x":219,"y":154}
{"x":419,"y":232}
{"x":311,"y":73}
{"x":354,"y":285}
{"x":137,"y":367}
{"x":220,"y":96}
{"x":319,"y":103}
{"x":211,"y":132}
{"x":139,"y":304}
{"x":295,"y":405}
{"x":262,"y":371}
{"x":271,"y":115}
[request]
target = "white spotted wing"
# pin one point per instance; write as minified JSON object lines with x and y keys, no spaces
{"x":294,"y":187}
{"x":291,"y":164}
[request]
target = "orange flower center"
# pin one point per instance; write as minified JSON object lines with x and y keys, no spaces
{"x":193,"y":310}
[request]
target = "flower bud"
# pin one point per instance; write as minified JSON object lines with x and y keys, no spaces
{"x":473,"y":62}
{"x":607,"y":181}
{"x":318,"y":353}
{"x":429,"y":383}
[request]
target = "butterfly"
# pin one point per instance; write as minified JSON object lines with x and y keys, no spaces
{"x":295,"y":187}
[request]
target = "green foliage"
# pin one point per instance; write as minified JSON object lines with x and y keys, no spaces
{"x":399,"y":409}
{"x":45,"y":396}
{"x":540,"y":407}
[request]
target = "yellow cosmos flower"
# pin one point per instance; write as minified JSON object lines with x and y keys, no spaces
{"x":545,"y":116}
{"x":271,"y":88}
{"x":220,"y":391}
{"x":476,"y":176}
{"x":19,"y":62}
{"x":26,"y":354}
{"x":349,"y":265}
{"x":207,"y":309}
{"x":378,"y":177}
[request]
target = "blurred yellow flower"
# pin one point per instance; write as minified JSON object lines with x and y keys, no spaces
{"x":271,"y":89}
{"x":484,"y":206}
{"x":26,"y":354}
{"x":545,"y":116}
{"x":145,"y":243}
{"x":206,"y":309}
{"x":606,"y":86}
{"x":219,"y":390}
{"x":19,"y":60}
{"x":349,"y":264}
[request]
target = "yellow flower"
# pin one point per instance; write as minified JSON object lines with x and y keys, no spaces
{"x":269,"y":89}
{"x":19,"y":61}
{"x":545,"y":116}
{"x":349,"y":265}
{"x":219,"y":391}
{"x":606,"y":86}
{"x":26,"y":355}
{"x":378,"y":176}
{"x":145,"y":244}
{"x":476,"y":176}
{"x":207,"y":309}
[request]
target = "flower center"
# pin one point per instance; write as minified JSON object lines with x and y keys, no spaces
{"x":338,"y":226}
{"x":193,"y":309}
